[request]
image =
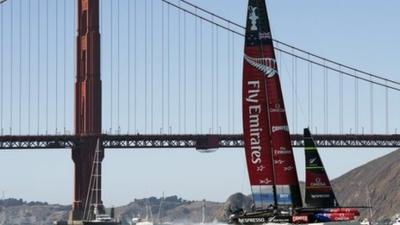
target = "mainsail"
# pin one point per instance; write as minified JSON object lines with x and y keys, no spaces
{"x":319,"y":191}
{"x":269,"y":155}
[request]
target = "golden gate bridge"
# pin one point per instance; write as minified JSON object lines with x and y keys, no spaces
{"x":169,"y":74}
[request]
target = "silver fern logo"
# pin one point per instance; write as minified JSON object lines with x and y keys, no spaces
{"x":268,"y":66}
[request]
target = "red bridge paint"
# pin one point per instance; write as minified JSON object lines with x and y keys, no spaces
{"x":87,"y":101}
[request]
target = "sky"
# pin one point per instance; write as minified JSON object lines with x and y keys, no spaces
{"x":361,"y":33}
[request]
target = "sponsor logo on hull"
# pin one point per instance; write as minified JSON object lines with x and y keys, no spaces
{"x":252,"y":220}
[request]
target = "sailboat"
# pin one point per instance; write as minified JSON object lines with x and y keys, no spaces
{"x":94,"y":213}
{"x":149,"y":219}
{"x":270,"y":161}
{"x":319,"y":196}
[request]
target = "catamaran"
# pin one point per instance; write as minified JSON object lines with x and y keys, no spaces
{"x":269,"y":156}
{"x":321,"y":201}
{"x":270,"y":161}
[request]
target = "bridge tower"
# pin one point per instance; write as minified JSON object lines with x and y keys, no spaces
{"x":87,"y":106}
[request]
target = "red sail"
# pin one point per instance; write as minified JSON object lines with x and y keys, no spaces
{"x":260,"y":57}
{"x":256,"y":118}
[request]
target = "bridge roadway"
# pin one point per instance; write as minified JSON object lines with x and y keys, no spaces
{"x":200,"y":142}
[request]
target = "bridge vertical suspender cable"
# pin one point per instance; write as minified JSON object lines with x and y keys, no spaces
{"x":152,"y":66}
{"x":387,"y":109}
{"x":212,"y":77}
{"x":135,"y":66}
{"x":179,"y":71}
{"x":162,"y":67}
{"x":356,"y":103}
{"x":12,"y":66}
{"x":65,"y":69}
{"x":372,"y":106}
{"x":118,"y":68}
{"x":229,"y":73}
{"x":38,"y":67}
{"x":341,"y":103}
{"x":184,"y":73}
{"x":56,"y":66}
{"x":233,"y":82}
{"x":145,"y":66}
{"x":129,"y":66}
{"x":217,"y":80}
{"x":201,"y":76}
{"x":47,"y":66}
{"x":168,"y":70}
{"x":195,"y":74}
{"x":20,"y":69}
{"x":29,"y":68}
{"x":111,"y":65}
{"x":1,"y":69}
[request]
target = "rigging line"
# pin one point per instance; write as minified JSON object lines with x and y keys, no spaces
{"x":20,"y":70}
{"x":38,"y":68}
{"x":277,"y":41}
{"x":292,"y":82}
{"x":12,"y":65}
{"x":337,"y":70}
{"x":129,"y":66}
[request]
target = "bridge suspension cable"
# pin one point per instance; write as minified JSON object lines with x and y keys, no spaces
{"x":323,"y":59}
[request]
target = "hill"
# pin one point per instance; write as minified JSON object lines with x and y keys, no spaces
{"x":381,"y":177}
